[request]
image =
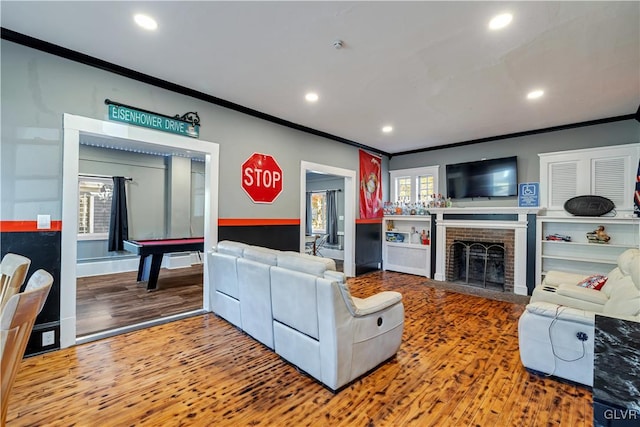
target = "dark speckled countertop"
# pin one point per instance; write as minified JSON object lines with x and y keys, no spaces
{"x":616,"y":377}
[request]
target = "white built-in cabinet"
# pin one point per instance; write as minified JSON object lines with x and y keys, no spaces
{"x":402,"y":251}
{"x":578,"y":255}
{"x":604,"y":171}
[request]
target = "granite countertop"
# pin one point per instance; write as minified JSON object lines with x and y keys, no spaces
{"x":616,"y":377}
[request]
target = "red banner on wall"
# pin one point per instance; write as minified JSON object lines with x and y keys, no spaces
{"x":370,"y":186}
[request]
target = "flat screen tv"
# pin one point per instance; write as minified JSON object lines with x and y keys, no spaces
{"x":483,"y":178}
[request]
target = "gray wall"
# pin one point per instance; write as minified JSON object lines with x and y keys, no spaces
{"x":197,"y":198}
{"x":526,"y":148}
{"x":37,"y":88}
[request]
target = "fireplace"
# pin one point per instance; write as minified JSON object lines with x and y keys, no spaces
{"x":477,"y":264}
{"x":513,"y":228}
{"x":480,"y":257}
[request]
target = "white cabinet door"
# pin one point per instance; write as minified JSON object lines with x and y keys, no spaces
{"x":604,"y":171}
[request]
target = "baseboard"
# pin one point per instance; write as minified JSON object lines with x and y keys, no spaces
{"x":99,"y":268}
{"x":123,"y":265}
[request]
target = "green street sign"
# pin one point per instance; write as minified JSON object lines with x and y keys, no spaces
{"x":152,"y":121}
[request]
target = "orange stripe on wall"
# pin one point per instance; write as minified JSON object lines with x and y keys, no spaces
{"x":28,"y":226}
{"x":231,"y":222}
{"x":369,"y":221}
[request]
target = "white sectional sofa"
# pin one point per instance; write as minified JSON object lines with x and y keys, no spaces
{"x":556,"y":331}
{"x":299,"y":306}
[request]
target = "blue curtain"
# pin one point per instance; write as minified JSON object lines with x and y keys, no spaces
{"x":308,"y":216}
{"x":118,"y":225}
{"x":636,"y":195}
{"x":332,"y":217}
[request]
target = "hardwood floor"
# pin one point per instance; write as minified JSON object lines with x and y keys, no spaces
{"x":458,"y":365}
{"x":116,"y":300}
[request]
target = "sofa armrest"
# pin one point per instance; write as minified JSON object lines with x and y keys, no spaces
{"x":556,"y":278}
{"x":375,"y":303}
{"x":584,"y":294}
{"x":562,"y":312}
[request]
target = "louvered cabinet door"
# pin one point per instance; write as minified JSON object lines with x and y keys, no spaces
{"x":563,"y":183}
{"x":609,"y":178}
{"x":604,"y":171}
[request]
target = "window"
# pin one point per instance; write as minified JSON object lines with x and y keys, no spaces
{"x":403,"y":185}
{"x":319,"y":213}
{"x":94,"y":207}
{"x":414,"y":185}
{"x":425,"y":187}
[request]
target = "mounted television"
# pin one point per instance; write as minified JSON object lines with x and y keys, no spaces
{"x":484,"y":178}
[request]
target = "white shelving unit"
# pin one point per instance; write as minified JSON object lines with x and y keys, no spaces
{"x":405,"y":256}
{"x":578,"y":255}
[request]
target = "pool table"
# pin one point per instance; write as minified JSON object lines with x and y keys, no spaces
{"x":152,"y":251}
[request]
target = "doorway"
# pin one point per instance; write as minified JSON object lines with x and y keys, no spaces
{"x":76,"y":127}
{"x":349,"y":178}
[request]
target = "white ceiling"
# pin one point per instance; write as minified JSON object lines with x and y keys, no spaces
{"x":432,"y":70}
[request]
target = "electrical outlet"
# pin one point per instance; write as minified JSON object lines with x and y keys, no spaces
{"x":48,"y":338}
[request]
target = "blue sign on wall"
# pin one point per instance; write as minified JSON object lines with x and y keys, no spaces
{"x":529,"y":195}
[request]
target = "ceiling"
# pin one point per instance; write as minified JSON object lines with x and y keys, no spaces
{"x":432,"y":70}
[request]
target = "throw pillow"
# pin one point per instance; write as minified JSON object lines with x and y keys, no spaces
{"x":595,"y":282}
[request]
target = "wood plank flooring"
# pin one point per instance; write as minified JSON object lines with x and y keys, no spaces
{"x":458,"y":366}
{"x":116,"y":300}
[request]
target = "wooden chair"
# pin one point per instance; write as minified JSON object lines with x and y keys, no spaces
{"x":13,"y":271}
{"x":16,"y":324}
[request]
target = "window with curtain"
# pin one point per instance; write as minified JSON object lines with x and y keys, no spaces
{"x":319,"y":213}
{"x":414,"y":185}
{"x":94,"y":207}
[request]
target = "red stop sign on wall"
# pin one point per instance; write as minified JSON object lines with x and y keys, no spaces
{"x":261,"y":178}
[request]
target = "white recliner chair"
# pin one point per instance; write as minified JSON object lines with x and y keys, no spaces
{"x":556,"y":331}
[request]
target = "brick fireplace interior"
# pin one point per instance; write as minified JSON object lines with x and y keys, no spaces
{"x":496,"y":244}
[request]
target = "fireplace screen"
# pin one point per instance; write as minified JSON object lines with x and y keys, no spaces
{"x":477,"y":263}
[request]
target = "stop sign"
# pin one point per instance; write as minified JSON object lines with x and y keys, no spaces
{"x":261,"y":178}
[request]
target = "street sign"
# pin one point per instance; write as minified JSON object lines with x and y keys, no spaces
{"x":261,"y":178}
{"x":152,"y":121}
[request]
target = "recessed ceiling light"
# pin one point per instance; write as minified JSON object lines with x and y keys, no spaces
{"x":387,"y":129}
{"x":500,"y":21}
{"x":535,"y":94}
{"x":145,"y":21}
{"x":311,"y":97}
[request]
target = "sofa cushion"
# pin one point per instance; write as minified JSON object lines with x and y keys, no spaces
{"x":555,"y":311}
{"x":625,"y":300}
{"x":376,"y":303}
{"x":595,"y":282}
{"x":335,"y":276}
{"x":614,"y":277}
{"x":556,"y":278}
{"x":294,"y":301}
{"x":223,"y":273}
{"x":627,"y":259}
{"x":263,"y":255}
{"x":580,"y":294}
{"x":634,"y":270}
{"x":231,"y":248}
{"x":328,"y":262}
{"x":294,"y":261}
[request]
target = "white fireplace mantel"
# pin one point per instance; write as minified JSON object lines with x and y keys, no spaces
{"x":519,"y":224}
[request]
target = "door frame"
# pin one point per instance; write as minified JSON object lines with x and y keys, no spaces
{"x":349,"y":177}
{"x":73,"y":127}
